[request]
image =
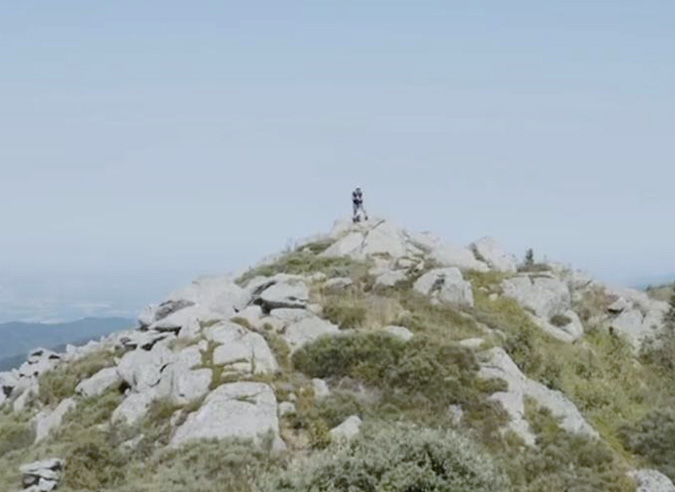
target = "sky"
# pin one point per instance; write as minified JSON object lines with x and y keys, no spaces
{"x":145,"y":143}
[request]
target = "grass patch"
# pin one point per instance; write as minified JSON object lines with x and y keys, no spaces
{"x":61,"y":382}
{"x":302,"y":262}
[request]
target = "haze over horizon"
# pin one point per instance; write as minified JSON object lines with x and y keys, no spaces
{"x":144,"y":144}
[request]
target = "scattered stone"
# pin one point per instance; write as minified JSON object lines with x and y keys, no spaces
{"x":307,"y":330}
{"x":320,"y":388}
{"x":239,"y":410}
{"x":336,"y":285}
{"x":286,"y":408}
{"x":390,"y":278}
{"x":497,"y":258}
{"x":499,"y":365}
{"x":46,"y":421}
{"x":42,"y":476}
{"x":99,"y":382}
{"x":134,"y":407}
{"x":472,"y":343}
{"x":347,"y":430}
{"x":400,"y":332}
{"x":447,"y":285}
{"x":651,"y":481}
{"x":456,"y":414}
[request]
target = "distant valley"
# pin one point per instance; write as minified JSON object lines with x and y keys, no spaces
{"x":18,"y":338}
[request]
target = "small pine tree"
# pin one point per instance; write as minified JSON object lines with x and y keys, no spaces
{"x":529,"y":257}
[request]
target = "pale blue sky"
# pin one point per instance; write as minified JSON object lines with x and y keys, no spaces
{"x":142,"y":143}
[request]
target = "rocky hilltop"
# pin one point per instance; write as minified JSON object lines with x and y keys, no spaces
{"x":368,"y":358}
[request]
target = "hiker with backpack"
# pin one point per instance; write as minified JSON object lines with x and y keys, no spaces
{"x":357,"y":202}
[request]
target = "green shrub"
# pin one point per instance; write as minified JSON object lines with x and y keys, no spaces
{"x":15,"y":436}
{"x":563,"y":461}
{"x":202,"y":466}
{"x":400,"y":458}
{"x":366,"y":355}
{"x":93,"y":463}
{"x":301,"y":263}
{"x":653,"y":437}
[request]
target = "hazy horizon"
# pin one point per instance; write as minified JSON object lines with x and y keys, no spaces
{"x":144,"y":144}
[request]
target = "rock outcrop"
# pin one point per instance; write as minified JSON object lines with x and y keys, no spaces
{"x":237,"y":410}
{"x":42,"y":476}
{"x":447,"y":285}
{"x":497,"y":364}
{"x":652,"y":481}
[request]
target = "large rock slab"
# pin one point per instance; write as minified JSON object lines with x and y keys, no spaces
{"x":495,"y":255}
{"x":99,"y":383}
{"x":241,"y":350}
{"x":308,"y":330}
{"x":46,"y":421}
{"x":142,"y":369}
{"x":651,"y":481}
{"x":134,"y":407}
{"x":376,"y":237}
{"x":291,"y":294}
{"x":450,"y":255}
{"x":544,"y":295}
{"x":446,"y":284}
{"x":497,"y":364}
{"x":237,"y":410}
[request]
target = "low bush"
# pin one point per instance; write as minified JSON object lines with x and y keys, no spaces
{"x":202,"y":466}
{"x":560,"y":320}
{"x":15,"y":436}
{"x":302,"y":263}
{"x":563,"y":461}
{"x":401,"y":458}
{"x":345,"y":311}
{"x":94,"y":463}
{"x":653,"y":437}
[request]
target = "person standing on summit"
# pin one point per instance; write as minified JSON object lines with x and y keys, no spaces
{"x":357,"y":202}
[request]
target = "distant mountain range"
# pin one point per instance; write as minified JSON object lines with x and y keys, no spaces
{"x":18,"y":338}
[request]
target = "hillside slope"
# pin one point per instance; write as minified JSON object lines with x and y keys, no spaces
{"x":369,"y":358}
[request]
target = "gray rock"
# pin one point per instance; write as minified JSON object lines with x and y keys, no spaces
{"x":368,"y":239}
{"x":651,"y":481}
{"x":285,"y":295}
{"x":46,"y":421}
{"x":546,"y":296}
{"x":400,"y":332}
{"x":42,"y":476}
{"x":495,"y":255}
{"x":347,"y":430}
{"x":286,"y":408}
{"x":472,"y":343}
{"x":390,"y":278}
{"x":192,"y":356}
{"x":142,"y":369}
{"x":99,"y":382}
{"x":339,"y":284}
{"x":570,"y":332}
{"x":238,"y":410}
{"x":307,"y":330}
{"x":290,"y":316}
{"x":134,"y":407}
{"x":498,"y":364}
{"x":28,"y":394}
{"x":187,"y":385}
{"x":216,"y":294}
{"x":456,"y":414}
{"x":241,"y":350}
{"x":445,"y":284}
{"x":320,"y":388}
{"x":454,"y":256}
{"x":251,"y":314}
